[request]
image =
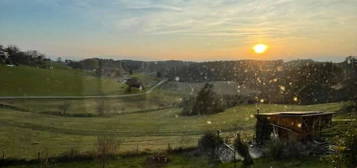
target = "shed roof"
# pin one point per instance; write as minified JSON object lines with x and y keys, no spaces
{"x":296,"y":113}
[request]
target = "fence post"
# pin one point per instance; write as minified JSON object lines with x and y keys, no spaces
{"x":168,"y":147}
{"x":235,"y":161}
{"x":39,"y":156}
{"x":46,"y":161}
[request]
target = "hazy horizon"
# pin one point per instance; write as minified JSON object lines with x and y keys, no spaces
{"x":119,"y":58}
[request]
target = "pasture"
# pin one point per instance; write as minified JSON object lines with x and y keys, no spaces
{"x":141,"y":123}
{"x":30,"y":81}
{"x":24,"y":133}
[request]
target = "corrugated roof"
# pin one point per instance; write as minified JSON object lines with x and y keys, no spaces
{"x":297,"y":113}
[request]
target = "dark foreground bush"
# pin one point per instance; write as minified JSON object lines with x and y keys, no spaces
{"x":243,"y":150}
{"x":209,"y":142}
{"x":65,"y":157}
{"x":350,"y":153}
{"x":349,"y":107}
{"x":275,"y":150}
{"x":278,"y":150}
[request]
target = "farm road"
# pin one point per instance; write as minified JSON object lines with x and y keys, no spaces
{"x":85,"y":97}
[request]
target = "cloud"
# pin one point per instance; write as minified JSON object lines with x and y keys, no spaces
{"x":215,"y":18}
{"x":189,"y":23}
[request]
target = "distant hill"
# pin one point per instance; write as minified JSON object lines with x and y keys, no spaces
{"x":299,"y":81}
{"x":99,"y":67}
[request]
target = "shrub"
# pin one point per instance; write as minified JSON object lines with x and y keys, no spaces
{"x":345,"y":154}
{"x":243,"y":150}
{"x":290,"y":149}
{"x":187,"y":105}
{"x":275,"y":150}
{"x":349,"y":107}
{"x":234,"y":100}
{"x":349,"y":155}
{"x":209,"y":142}
{"x":206,"y":102}
{"x":107,"y":147}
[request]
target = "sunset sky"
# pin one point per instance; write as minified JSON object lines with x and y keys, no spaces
{"x":195,"y":30}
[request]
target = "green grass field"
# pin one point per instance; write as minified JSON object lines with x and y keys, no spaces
{"x":24,"y":133}
{"x":30,"y":81}
{"x":144,"y":123}
{"x":158,"y":99}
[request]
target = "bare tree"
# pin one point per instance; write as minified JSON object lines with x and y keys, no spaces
{"x":107,"y":147}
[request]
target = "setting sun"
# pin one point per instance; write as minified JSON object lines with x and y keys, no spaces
{"x":260,"y":48}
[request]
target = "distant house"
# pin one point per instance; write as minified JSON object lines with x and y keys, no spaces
{"x":351,"y":60}
{"x":295,"y":126}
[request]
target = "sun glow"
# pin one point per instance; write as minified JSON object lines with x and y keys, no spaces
{"x":260,"y":48}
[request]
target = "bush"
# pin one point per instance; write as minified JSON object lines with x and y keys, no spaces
{"x":209,"y":142}
{"x":349,"y":107}
{"x":278,"y":150}
{"x":275,"y":150}
{"x":187,"y":105}
{"x":350,"y":153}
{"x":243,"y":150}
{"x":206,"y":102}
{"x":107,"y":147}
{"x":345,"y":146}
{"x":234,"y":100}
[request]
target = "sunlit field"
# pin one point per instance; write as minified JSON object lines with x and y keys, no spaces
{"x":26,"y":133}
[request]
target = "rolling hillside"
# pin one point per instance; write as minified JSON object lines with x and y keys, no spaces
{"x":27,"y":132}
{"x":31,"y":81}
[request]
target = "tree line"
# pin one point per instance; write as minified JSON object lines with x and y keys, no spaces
{"x":12,"y":55}
{"x":298,"y":81}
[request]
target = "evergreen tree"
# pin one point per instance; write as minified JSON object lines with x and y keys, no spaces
{"x":207,"y":101}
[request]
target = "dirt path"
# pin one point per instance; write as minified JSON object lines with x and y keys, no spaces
{"x":85,"y":97}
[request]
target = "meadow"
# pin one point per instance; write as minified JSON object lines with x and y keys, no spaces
{"x":25,"y":133}
{"x":30,"y":81}
{"x":148,"y":122}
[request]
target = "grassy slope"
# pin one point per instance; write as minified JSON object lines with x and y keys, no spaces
{"x":221,"y":87}
{"x":84,"y":107}
{"x":22,"y":134}
{"x":30,"y":81}
{"x":145,"y":78}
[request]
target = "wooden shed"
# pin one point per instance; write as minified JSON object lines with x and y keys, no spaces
{"x":301,"y":125}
